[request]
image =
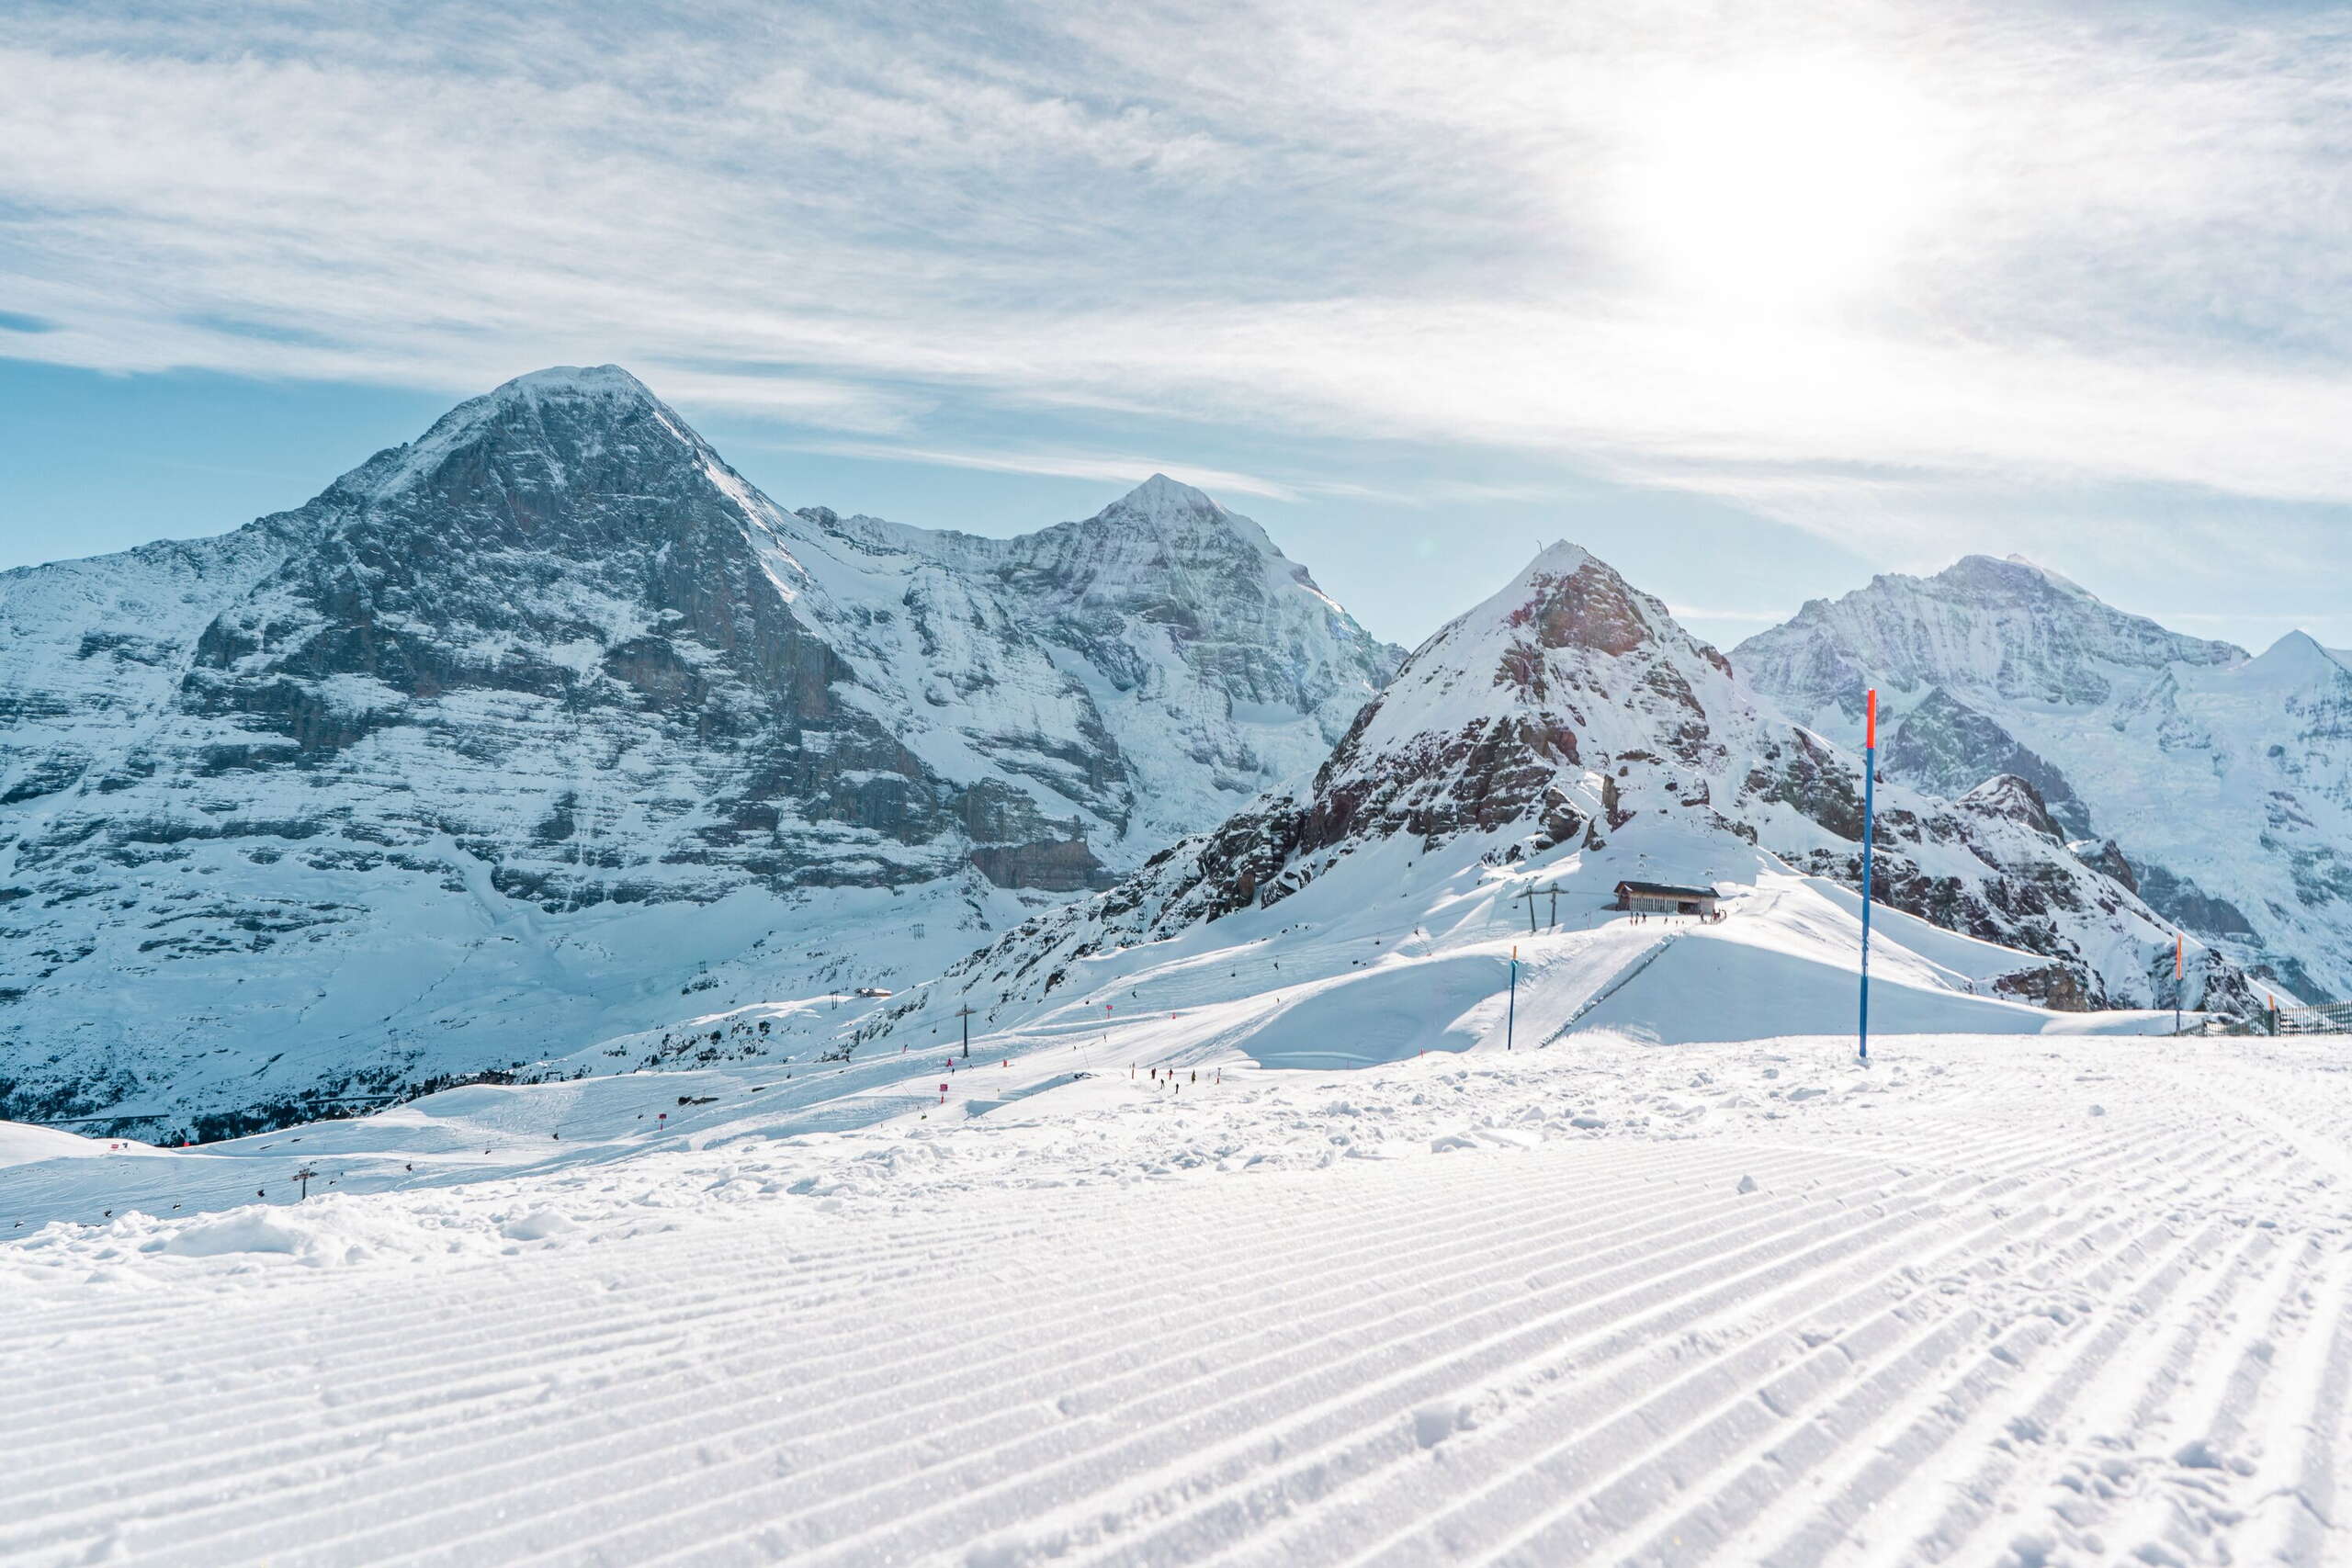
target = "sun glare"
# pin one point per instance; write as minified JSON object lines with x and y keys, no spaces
{"x":1775,"y":190}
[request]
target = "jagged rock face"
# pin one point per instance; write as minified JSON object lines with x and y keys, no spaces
{"x":2107,"y":857}
{"x":1571,"y":706}
{"x":2225,"y":782}
{"x":555,"y":580}
{"x":375,"y":767}
{"x":1944,"y":747}
{"x":1516,"y":715}
{"x":2005,"y":795}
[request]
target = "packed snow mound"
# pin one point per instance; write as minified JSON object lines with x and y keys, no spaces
{"x":1389,"y":1014}
{"x":329,"y":1231}
{"x":21,"y":1143}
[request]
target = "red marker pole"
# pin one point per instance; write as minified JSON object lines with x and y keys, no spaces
{"x":1870,"y":818}
{"x":2179,"y":979}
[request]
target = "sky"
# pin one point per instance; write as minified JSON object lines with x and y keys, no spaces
{"x":1754,"y":302}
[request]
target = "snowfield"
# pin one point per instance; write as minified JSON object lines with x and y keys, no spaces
{"x":2027,"y":1300}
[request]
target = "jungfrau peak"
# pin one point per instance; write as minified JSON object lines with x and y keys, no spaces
{"x":518,"y":733}
{"x":2224,"y":783}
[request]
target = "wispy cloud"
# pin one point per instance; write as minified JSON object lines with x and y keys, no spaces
{"x":1060,"y":465}
{"x":2116,"y":249}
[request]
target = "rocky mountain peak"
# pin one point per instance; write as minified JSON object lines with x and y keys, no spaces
{"x":1983,"y":629}
{"x":573,"y":381}
{"x":1164,"y":518}
{"x":2006,"y":795}
{"x":1159,"y":498}
{"x":1565,"y":609}
{"x":1544,"y":704}
{"x":2010,"y":578}
{"x":535,"y":445}
{"x":1575,"y":600}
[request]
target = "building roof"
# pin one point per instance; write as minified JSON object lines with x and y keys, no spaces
{"x":1665,"y":890}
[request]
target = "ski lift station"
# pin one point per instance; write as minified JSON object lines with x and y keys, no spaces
{"x":1665,"y":898}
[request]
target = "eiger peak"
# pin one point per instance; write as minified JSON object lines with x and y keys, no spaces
{"x":516,"y":729}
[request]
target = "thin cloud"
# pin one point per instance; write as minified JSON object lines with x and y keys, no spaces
{"x":1372,"y":221}
{"x":1063,"y":465}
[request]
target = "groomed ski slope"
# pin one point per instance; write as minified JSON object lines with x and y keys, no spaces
{"x":2023,"y":1300}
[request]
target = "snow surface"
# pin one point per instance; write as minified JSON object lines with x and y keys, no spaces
{"x":21,"y":1143}
{"x":1992,"y":1300}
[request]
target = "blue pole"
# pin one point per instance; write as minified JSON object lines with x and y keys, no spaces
{"x":1510,"y":1018}
{"x":1870,"y":818}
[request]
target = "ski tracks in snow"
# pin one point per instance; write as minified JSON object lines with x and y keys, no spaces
{"x":1986,"y":1319}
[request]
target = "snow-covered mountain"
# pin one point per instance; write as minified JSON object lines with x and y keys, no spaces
{"x":1216,"y":664}
{"x":2222,"y":782}
{"x":1564,"y":734}
{"x":514,"y":732}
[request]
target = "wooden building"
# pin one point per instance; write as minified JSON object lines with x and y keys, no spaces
{"x":1665,"y":898}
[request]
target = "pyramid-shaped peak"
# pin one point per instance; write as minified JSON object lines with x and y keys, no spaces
{"x":1561,"y":559}
{"x":1161,"y":496}
{"x":2298,"y":657}
{"x":569,"y":395}
{"x":536,"y":427}
{"x":1566,"y":619}
{"x":1162,"y":512}
{"x":574,"y":381}
{"x":1569,"y":597}
{"x":1557,"y":571}
{"x":572,"y":398}
{"x":2012,"y":573}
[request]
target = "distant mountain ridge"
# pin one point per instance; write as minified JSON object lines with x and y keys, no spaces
{"x":550,"y":728}
{"x":2224,"y":781}
{"x":1569,"y":724}
{"x":515,"y":729}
